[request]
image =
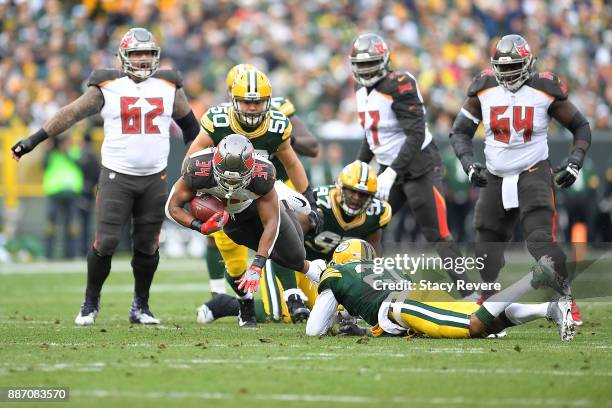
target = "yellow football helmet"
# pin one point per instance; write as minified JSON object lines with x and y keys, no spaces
{"x":353,"y":250}
{"x":234,"y":72}
{"x":251,"y":97}
{"x":357,"y":184}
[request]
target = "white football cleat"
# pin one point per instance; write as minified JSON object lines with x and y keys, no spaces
{"x":560,"y":312}
{"x":205,"y":315}
{"x":87,"y":315}
{"x":141,"y":314}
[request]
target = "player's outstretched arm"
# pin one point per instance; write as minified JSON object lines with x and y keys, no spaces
{"x":293,"y":165}
{"x":184,"y":117}
{"x":322,"y":314}
{"x":269,"y":214}
{"x":304,"y":143}
{"x":201,"y":142}
{"x":375,"y":239}
{"x":88,"y":104}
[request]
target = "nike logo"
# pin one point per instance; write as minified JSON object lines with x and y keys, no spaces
{"x":531,"y":170}
{"x":303,"y":202}
{"x":163,"y":176}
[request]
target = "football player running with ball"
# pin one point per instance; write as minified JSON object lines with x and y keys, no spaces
{"x":245,"y":183}
{"x":404,"y":313}
{"x":222,"y":252}
{"x":515,"y":104}
{"x":392,"y":113}
{"x":137,"y":104}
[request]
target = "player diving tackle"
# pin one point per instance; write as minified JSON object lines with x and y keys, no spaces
{"x":400,"y":313}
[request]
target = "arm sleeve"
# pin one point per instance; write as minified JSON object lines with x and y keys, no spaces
{"x":365,"y":153}
{"x":408,"y":109}
{"x":190,"y":127}
{"x":322,"y":314}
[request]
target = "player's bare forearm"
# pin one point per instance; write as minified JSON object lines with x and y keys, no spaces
{"x":269,"y":214}
{"x":88,"y":104}
{"x":181,"y":105}
{"x":293,"y":165}
{"x":179,"y":196}
{"x":304,"y":142}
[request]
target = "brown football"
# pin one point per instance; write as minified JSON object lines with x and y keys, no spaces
{"x":204,"y":207}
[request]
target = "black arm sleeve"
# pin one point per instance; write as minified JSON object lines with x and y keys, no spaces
{"x":365,"y":153}
{"x":580,"y":128}
{"x":190,"y":127}
{"x":408,"y":109}
{"x":461,"y":139}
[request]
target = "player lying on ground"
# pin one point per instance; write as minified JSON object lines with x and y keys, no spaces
{"x":245,"y":184}
{"x":395,"y":313}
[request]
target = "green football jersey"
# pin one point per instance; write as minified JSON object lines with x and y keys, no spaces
{"x":336,"y":227}
{"x":220,"y":121}
{"x":349,"y":284}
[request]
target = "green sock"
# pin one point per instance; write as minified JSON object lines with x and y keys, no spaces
{"x":214,"y":262}
{"x":260,"y":311}
{"x":285,"y":275}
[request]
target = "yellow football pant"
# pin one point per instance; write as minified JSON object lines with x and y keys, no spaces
{"x":273,"y":297}
{"x":437,"y":319}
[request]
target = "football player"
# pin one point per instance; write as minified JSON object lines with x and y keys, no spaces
{"x":515,"y":103}
{"x":270,"y":131}
{"x":245,"y":182}
{"x":398,"y":313}
{"x":349,"y":209}
{"x":305,"y":144}
{"x":392,"y":113}
{"x":137,"y":104}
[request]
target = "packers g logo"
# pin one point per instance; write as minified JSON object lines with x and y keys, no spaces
{"x":343,"y":246}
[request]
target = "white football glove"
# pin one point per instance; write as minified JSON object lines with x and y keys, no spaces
{"x":385,"y":181}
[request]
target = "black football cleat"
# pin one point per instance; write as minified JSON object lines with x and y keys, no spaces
{"x":246,"y":313}
{"x":297,"y":309}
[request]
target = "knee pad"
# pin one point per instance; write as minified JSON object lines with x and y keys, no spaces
{"x":143,"y":261}
{"x":105,"y":246}
{"x":146,"y":238}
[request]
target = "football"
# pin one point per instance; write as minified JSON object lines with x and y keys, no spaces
{"x":204,"y":207}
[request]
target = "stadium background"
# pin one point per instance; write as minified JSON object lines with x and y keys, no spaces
{"x":48,"y":49}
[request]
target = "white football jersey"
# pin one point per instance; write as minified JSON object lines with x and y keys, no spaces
{"x":137,"y":118}
{"x":383,"y":132}
{"x":516,"y":128}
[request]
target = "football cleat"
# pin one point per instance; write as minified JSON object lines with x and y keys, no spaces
{"x":560,"y":312}
{"x":246,"y":313}
{"x":576,"y":315}
{"x":87,"y":314}
{"x":297,"y":309}
{"x":544,"y":275}
{"x":141,"y":314}
{"x":205,"y":315}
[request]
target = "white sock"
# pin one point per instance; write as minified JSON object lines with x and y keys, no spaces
{"x":314,"y":270}
{"x":217,"y":285}
{"x":519,"y":313}
{"x":500,"y":301}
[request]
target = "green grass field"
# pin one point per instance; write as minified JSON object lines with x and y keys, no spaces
{"x":117,"y":364}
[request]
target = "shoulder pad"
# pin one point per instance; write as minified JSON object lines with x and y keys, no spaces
{"x":264,"y":177}
{"x":385,"y":215}
{"x":285,"y":131}
{"x":197,"y":170}
{"x":548,"y":83}
{"x":484,"y":80}
{"x":170,"y":75}
{"x":100,"y":76}
{"x":398,"y":84}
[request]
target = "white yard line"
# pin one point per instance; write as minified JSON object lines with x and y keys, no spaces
{"x":346,"y":399}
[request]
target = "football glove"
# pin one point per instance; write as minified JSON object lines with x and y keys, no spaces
{"x":386,"y":179}
{"x":567,"y":172}
{"x":213,"y":224}
{"x":476,"y":173}
{"x":351,"y":328}
{"x":28,"y":144}
{"x":249,"y":282}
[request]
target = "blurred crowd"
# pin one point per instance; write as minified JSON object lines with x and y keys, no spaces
{"x":48,"y":48}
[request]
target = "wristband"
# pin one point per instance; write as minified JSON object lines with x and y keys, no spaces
{"x":40,"y":136}
{"x":259,"y":261}
{"x":196,"y":225}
